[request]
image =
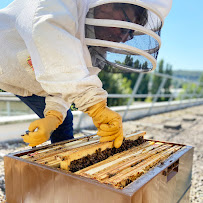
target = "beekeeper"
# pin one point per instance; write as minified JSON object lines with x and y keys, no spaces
{"x":52,"y":51}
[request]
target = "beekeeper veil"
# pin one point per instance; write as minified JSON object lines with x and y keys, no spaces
{"x":124,"y":35}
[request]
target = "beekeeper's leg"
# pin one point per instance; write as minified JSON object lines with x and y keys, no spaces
{"x":64,"y":131}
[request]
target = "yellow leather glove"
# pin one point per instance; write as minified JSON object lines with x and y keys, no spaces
{"x":41,"y":130}
{"x":108,"y":123}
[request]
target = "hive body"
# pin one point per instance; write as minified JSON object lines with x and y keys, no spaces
{"x":151,"y":171}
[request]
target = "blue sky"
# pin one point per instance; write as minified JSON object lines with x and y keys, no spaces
{"x":182,"y":33}
{"x":182,"y":36}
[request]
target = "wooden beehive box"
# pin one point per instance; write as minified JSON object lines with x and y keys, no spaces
{"x":62,"y":172}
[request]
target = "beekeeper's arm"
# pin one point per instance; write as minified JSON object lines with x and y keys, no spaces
{"x":57,"y":57}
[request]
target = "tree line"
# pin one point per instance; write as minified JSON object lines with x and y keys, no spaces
{"x":123,"y":83}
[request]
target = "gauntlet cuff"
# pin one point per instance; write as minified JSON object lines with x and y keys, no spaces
{"x":56,"y":114}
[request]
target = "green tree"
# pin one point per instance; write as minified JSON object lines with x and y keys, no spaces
{"x":115,"y":84}
{"x":200,"y":88}
{"x":128,"y":61}
{"x":201,"y":80}
{"x":144,"y":85}
{"x":168,"y":71}
{"x":156,"y":80}
{"x":188,"y":88}
{"x":132,"y":77}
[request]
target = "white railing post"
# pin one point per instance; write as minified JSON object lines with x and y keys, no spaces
{"x":173,"y":95}
{"x":157,"y":94}
{"x":183,"y":96}
{"x":6,"y":98}
{"x":134,"y":92}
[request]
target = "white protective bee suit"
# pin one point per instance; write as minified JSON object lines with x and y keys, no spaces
{"x":52,"y":33}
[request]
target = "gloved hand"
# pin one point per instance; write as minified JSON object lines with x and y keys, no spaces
{"x":108,"y":123}
{"x":41,"y":130}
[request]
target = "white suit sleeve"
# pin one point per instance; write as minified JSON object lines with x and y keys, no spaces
{"x":57,"y":57}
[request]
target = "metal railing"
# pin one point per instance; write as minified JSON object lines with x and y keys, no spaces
{"x":186,"y":98}
{"x":181,"y":103}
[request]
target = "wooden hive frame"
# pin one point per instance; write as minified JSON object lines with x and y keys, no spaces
{"x":60,"y":156}
{"x":117,"y":170}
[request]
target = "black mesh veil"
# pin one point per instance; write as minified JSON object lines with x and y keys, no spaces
{"x":128,"y":31}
